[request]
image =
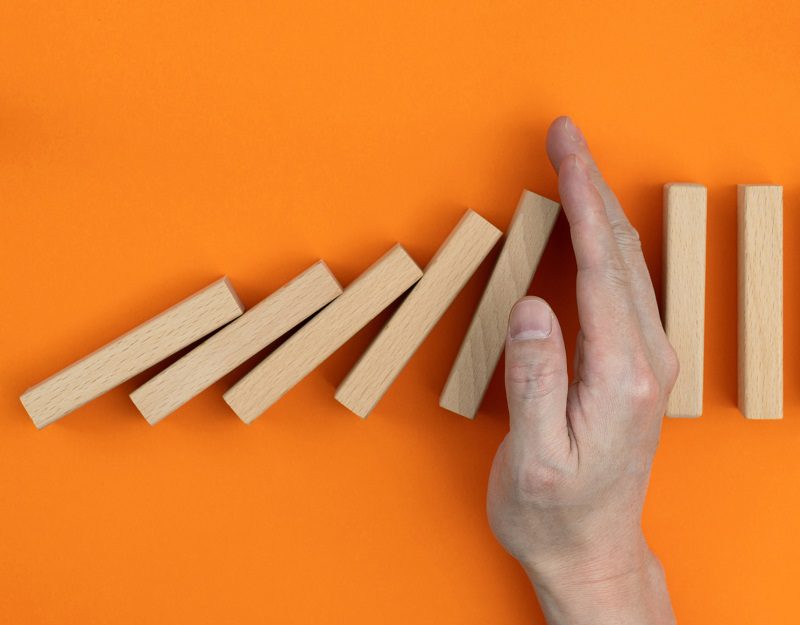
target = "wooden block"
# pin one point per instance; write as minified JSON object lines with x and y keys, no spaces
{"x":760,"y":217}
{"x":132,"y":353}
{"x":477,"y":359}
{"x":444,"y":277}
{"x":684,"y":292}
{"x":234,"y":344}
{"x":386,"y":280}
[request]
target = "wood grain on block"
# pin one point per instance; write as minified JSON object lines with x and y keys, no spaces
{"x":480,"y":351}
{"x":684,"y":292}
{"x":386,"y":280}
{"x":132,"y":353}
{"x":760,"y":227}
{"x":451,"y":267}
{"x":230,"y":347}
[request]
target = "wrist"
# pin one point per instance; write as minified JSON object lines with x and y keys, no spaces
{"x":614,"y":584}
{"x":588,"y":562}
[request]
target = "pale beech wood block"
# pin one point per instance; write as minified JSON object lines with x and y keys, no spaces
{"x":132,"y":353}
{"x":452,"y":265}
{"x":382,"y":283}
{"x":477,"y":359}
{"x":760,"y":228}
{"x":230,"y":347}
{"x":685,"y":292}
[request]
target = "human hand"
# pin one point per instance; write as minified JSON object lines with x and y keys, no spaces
{"x":568,"y":482}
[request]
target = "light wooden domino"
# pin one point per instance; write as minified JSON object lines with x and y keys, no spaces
{"x":132,"y":353}
{"x":444,"y":277}
{"x":230,"y":347}
{"x":684,"y":292}
{"x":477,"y":359}
{"x":393,"y":274}
{"x":760,"y":234}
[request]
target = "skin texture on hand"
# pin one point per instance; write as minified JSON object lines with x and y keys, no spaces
{"x":568,"y":483}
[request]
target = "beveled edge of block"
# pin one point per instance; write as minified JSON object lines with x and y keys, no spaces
{"x":224,"y":280}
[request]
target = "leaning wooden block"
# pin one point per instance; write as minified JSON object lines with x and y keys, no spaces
{"x":477,"y":359}
{"x":685,"y":292}
{"x":444,"y":277}
{"x":132,"y":353}
{"x":234,"y":344}
{"x":760,"y":218}
{"x":386,"y":280}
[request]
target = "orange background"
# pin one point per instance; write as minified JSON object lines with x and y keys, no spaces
{"x":147,"y":148}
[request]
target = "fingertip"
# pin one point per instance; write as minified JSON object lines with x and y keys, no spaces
{"x":536,"y":375}
{"x":531,"y":318}
{"x":563,"y":138}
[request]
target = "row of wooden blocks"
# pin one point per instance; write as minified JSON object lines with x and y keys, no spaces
{"x":760,"y":296}
{"x":337,"y":314}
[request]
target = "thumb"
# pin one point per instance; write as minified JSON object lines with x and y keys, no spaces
{"x":536,"y":374}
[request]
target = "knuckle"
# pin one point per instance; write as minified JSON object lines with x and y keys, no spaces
{"x":644,"y":390}
{"x":536,"y":481}
{"x":627,"y":236}
{"x":532,"y":381}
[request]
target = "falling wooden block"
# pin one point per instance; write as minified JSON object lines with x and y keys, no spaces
{"x":684,"y":292}
{"x":477,"y":359}
{"x":760,"y":219}
{"x":444,"y":277}
{"x":386,"y":280}
{"x":234,"y":344}
{"x":132,"y":353}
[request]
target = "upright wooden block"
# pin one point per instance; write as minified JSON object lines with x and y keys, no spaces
{"x":234,"y":344}
{"x":132,"y":353}
{"x":444,"y":277}
{"x":760,"y":218}
{"x":477,"y":359}
{"x":684,"y":292}
{"x":386,"y":280}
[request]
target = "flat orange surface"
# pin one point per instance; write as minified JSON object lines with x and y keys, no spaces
{"x":146,"y":148}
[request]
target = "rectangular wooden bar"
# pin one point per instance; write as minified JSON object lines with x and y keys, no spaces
{"x":132,"y":353}
{"x":386,"y":280}
{"x":760,"y":226}
{"x":477,"y":359}
{"x":230,"y":347}
{"x":684,"y":292}
{"x":447,"y":273}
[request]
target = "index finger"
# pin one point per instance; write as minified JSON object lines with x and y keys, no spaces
{"x":565,"y":138}
{"x":605,"y":309}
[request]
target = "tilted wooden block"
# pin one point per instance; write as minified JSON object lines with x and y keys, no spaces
{"x":444,"y":277}
{"x":227,"y":349}
{"x":760,"y":227}
{"x":386,"y":280}
{"x":477,"y":359}
{"x":132,"y":353}
{"x":684,"y":292}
